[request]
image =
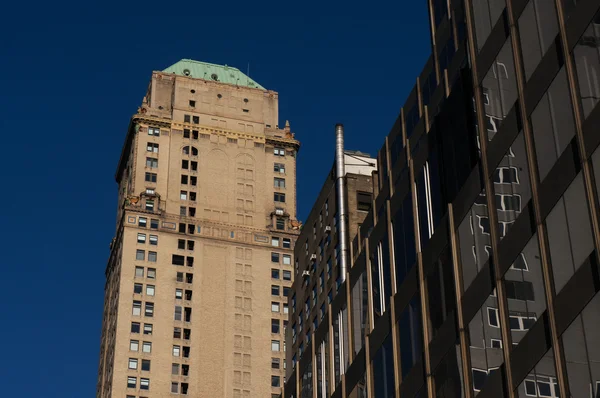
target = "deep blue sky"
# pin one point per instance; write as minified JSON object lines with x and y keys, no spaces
{"x":71,"y":75}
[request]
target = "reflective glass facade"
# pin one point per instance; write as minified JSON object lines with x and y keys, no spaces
{"x":476,"y":271}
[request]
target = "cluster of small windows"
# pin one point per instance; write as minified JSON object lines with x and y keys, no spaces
{"x":191,"y":119}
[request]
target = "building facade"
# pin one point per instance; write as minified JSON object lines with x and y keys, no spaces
{"x":202,"y":254}
{"x":476,"y":271}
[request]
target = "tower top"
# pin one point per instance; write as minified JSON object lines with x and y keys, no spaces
{"x":212,"y":72}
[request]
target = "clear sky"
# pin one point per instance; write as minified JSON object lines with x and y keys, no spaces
{"x":71,"y":76}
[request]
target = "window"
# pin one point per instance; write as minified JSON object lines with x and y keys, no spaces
{"x":286,"y":291}
{"x":279,"y":197}
{"x":175,"y":369}
{"x":150,"y":290}
{"x":185,"y":164}
{"x":176,"y":350}
{"x":187,"y":118}
{"x":141,"y":238}
{"x":285,"y":308}
{"x":140,"y":255}
{"x":275,"y":363}
{"x":149,"y":309}
{"x":287,"y":243}
{"x":147,"y":347}
{"x":151,"y":273}
{"x":196,"y":119}
{"x":275,"y":345}
{"x":363,"y":201}
{"x":506,"y":175}
{"x":274,"y":257}
{"x":274,"y":273}
{"x":131,"y":382}
{"x":275,"y":381}
{"x":144,"y":384}
{"x":148,"y":329}
{"x":137,"y":288}
{"x":192,"y":103}
{"x":133,"y":363}
{"x":274,"y":290}
{"x":177,"y":260}
{"x":154,"y":131}
{"x":519,"y":290}
{"x":287,"y":259}
{"x":520,"y":263}
{"x":137,"y":308}
{"x":178,"y":313}
{"x":153,"y":223}
{"x":142,"y":222}
{"x":279,"y":168}
{"x":521,"y":322}
{"x":135,"y":327}
{"x":278,"y":151}
{"x":154,"y":240}
{"x":274,"y":306}
{"x":151,"y":177}
{"x":184,"y":179}
{"x":508,"y":202}
{"x":493,"y":317}
{"x":134,"y":345}
{"x":274,"y":241}
{"x":152,"y":258}
{"x":183,"y":195}
{"x":280,"y":224}
{"x":279,"y":182}
{"x":275,"y":325}
{"x":178,"y":294}
{"x":152,"y":147}
{"x":479,"y":377}
{"x":152,"y":163}
{"x":496,"y":343}
{"x":174,"y":385}
{"x":146,"y":365}
{"x":287,"y":275}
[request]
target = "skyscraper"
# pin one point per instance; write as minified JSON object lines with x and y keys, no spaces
{"x":202,"y":254}
{"x":479,"y":257}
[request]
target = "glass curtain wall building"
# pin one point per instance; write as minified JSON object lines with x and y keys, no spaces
{"x":476,"y":271}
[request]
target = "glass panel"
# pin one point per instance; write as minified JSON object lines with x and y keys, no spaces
{"x":525,"y":292}
{"x":499,"y":89}
{"x":511,"y":185}
{"x":340,"y":348}
{"x":359,"y":311}
{"x":360,"y":391}
{"x":307,"y":379}
{"x":440,"y":287}
{"x":475,"y":245}
{"x":404,"y":240}
{"x":428,"y":203}
{"x":587,"y":59}
{"x":448,"y":375}
{"x":486,"y":14}
{"x":581,"y":343}
{"x":322,"y":370}
{"x":486,"y":356}
{"x":376,"y":282}
{"x":569,"y":233}
{"x":552,"y":122}
{"x":383,"y":370}
{"x":538,"y":27}
{"x":541,"y":381}
{"x":411,"y":335}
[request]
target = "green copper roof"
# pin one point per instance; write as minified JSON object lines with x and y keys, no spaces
{"x":204,"y":70}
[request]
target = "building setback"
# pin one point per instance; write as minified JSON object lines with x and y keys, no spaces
{"x":476,"y":271}
{"x":202,"y":255}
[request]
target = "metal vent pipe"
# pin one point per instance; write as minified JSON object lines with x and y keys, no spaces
{"x":342,"y":201}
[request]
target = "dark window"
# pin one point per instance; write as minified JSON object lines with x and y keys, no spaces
{"x":279,"y":197}
{"x":192,"y":103}
{"x":274,"y":273}
{"x":151,"y":177}
{"x":135,"y":327}
{"x":196,"y":119}
{"x":364,"y":200}
{"x":178,"y":260}
{"x":275,"y":257}
{"x":187,"y":118}
{"x":146,"y":365}
{"x":154,"y":223}
{"x":519,"y":290}
{"x":181,"y":244}
{"x":275,"y":325}
{"x":280,"y":223}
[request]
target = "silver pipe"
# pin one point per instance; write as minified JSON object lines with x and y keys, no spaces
{"x":340,"y":183}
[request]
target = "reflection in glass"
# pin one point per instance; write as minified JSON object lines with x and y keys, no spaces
{"x":359,"y":295}
{"x":569,"y":233}
{"x":322,"y":359}
{"x":486,"y":13}
{"x":307,"y":387}
{"x":485,"y":342}
{"x":581,"y":343}
{"x":404,"y":240}
{"x":411,"y":335}
{"x":538,"y":27}
{"x":440,"y":288}
{"x":475,"y":246}
{"x":383,"y":370}
{"x":448,"y":377}
{"x":360,"y":391}
{"x":552,"y":122}
{"x":340,"y":344}
{"x":587,"y":59}
{"x":499,"y":88}
{"x":525,"y":293}
{"x":541,"y":381}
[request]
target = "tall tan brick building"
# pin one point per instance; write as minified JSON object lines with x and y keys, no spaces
{"x":201,"y":260}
